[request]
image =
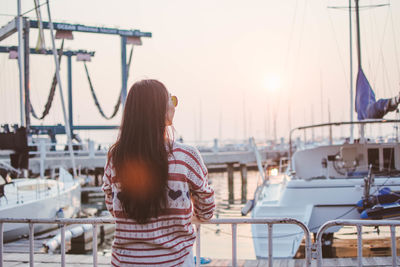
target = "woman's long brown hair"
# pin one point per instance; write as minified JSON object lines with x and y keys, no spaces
{"x":140,"y":154}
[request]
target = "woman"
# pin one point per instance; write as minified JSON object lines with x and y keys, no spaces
{"x":150,"y":182}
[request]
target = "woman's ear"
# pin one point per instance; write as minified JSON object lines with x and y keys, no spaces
{"x":169,"y":116}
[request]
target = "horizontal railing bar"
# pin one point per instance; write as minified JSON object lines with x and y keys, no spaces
{"x":112,"y":220}
{"x":59,"y":221}
{"x":359,"y":222}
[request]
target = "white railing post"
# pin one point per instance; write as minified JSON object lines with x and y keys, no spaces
{"x":319,"y":247}
{"x":270,"y":259}
{"x":63,"y":245}
{"x":359,"y":245}
{"x":94,"y":240}
{"x":234,"y":244}
{"x":1,"y":243}
{"x":394,"y":247}
{"x":198,"y":245}
{"x":31,"y":245}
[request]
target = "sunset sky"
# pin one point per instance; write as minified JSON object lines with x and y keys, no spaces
{"x":232,"y":64}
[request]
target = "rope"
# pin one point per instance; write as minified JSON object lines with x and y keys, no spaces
{"x":40,"y":41}
{"x":52,"y":92}
{"x":338,"y":50}
{"x":96,"y":101}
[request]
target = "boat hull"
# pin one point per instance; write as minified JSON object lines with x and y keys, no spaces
{"x":313,"y":202}
{"x":56,"y":203}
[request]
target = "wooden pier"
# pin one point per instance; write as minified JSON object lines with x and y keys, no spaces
{"x":47,"y":260}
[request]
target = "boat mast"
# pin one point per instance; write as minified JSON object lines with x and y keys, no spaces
{"x":362,"y":126}
{"x":351,"y":75}
{"x":57,"y":63}
{"x":21,"y":65}
{"x":358,"y":35}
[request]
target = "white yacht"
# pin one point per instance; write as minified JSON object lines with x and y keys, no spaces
{"x":323,"y":183}
{"x":334,"y":180}
{"x":37,"y":198}
{"x":33,"y":197}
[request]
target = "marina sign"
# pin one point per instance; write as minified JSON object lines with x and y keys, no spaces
{"x":91,"y":29}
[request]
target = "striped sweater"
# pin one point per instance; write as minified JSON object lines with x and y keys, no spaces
{"x":168,"y":239}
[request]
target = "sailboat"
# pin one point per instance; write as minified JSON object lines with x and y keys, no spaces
{"x":326,"y":182}
{"x":26,"y":197}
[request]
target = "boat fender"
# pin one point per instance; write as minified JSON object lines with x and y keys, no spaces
{"x":374,"y":213}
{"x":203,"y":260}
{"x":60,"y":213}
{"x":248,"y":207}
{"x":364,"y":215}
{"x":385,"y":191}
{"x":53,"y":244}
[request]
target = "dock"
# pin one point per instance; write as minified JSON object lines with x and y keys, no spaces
{"x":92,"y":162}
{"x":47,"y":260}
{"x":97,"y":159}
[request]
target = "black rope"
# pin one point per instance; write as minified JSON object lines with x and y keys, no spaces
{"x":52,"y":92}
{"x":96,"y":101}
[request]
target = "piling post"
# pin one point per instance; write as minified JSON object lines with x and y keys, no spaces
{"x":215,"y":147}
{"x":42,"y":150}
{"x":91,"y":148}
{"x":96,"y":177}
{"x":230,"y":183}
{"x":243,"y":172}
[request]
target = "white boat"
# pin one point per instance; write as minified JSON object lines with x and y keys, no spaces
{"x":32,"y":198}
{"x":325,"y":182}
{"x":38,"y":198}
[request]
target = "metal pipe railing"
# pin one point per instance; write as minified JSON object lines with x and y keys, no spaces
{"x":96,"y":221}
{"x":358,"y":224}
{"x":270,"y":223}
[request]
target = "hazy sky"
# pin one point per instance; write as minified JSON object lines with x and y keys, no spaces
{"x":220,"y":57}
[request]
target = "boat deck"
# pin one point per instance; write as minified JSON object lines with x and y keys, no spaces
{"x":47,"y":260}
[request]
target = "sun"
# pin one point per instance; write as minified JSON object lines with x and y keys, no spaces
{"x":272,"y":82}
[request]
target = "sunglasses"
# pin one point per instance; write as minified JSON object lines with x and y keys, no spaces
{"x":174,"y":100}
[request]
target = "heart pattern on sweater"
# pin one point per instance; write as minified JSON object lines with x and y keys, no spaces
{"x":174,"y":194}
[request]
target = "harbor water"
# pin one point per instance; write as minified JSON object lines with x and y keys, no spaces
{"x":216,"y":240}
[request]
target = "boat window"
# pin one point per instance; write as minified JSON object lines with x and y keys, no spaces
{"x":388,"y":158}
{"x":373,"y":158}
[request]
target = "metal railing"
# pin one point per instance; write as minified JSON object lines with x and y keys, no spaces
{"x":234,"y":222}
{"x":270,"y":223}
{"x":96,"y":221}
{"x":358,"y":224}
